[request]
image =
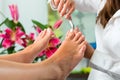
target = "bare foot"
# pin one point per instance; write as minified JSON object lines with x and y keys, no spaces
{"x":69,"y":54}
{"x":42,"y":40}
{"x":40,"y":44}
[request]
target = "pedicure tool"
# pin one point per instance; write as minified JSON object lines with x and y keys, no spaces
{"x":71,"y":23}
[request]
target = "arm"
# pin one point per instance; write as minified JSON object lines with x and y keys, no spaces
{"x":89,"y":51}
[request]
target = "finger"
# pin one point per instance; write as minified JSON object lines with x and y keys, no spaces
{"x":56,"y":2}
{"x":53,"y":2}
{"x":65,"y":8}
{"x":60,"y":6}
{"x":70,"y":12}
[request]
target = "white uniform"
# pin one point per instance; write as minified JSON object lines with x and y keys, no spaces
{"x":106,"y":58}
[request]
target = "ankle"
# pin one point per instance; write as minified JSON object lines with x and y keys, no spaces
{"x":56,"y":69}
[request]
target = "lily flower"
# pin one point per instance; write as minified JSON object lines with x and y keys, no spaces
{"x":29,"y":39}
{"x":14,"y":12}
{"x":54,"y":42}
{"x":52,"y":47}
{"x":11,"y":37}
{"x":58,"y":24}
{"x":38,"y":29}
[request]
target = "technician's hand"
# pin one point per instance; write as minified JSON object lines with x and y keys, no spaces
{"x":64,"y":7}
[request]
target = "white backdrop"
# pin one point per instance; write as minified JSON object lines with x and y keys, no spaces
{"x":28,"y":10}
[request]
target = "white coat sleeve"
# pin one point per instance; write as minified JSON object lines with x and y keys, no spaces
{"x":52,"y":5}
{"x":88,"y":5}
{"x":83,"y":5}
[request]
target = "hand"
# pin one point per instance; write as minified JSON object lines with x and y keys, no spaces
{"x":64,"y":7}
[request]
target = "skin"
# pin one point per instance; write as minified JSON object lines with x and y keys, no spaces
{"x":59,"y":64}
{"x":66,"y":9}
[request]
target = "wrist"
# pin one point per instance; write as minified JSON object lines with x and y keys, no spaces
{"x":89,"y":51}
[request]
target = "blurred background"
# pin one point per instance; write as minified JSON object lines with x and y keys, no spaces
{"x":40,"y":10}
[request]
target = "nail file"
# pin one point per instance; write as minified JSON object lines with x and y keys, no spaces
{"x":71,"y":23}
{"x":70,"y":20}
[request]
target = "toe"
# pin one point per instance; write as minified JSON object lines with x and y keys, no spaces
{"x":40,"y":36}
{"x":48,"y":33}
{"x":82,"y":44}
{"x":77,"y":36}
{"x":81,"y":38}
{"x":43,"y":33}
{"x":76,"y":30}
{"x":70,"y":35}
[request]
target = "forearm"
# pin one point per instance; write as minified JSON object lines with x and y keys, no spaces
{"x":89,"y":51}
{"x":19,"y":71}
{"x":25,"y":56}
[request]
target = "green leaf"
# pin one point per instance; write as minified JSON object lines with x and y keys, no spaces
{"x":10,"y":24}
{"x":11,"y":50}
{"x":3,"y":22}
{"x":30,"y":42}
{"x":20,"y":25}
{"x":39,"y":24}
{"x":3,"y":52}
{"x":43,"y":57}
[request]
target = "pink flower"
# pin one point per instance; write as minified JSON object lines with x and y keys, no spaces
{"x":38,"y":29}
{"x":14,"y":12}
{"x":31,"y":36}
{"x":10,"y":37}
{"x":18,"y":36}
{"x":52,"y":47}
{"x":7,"y":43}
{"x":54,"y":42}
{"x":57,"y":24}
{"x":41,"y":53}
{"x":50,"y":51}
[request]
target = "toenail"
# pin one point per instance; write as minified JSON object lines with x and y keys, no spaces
{"x":71,"y":30}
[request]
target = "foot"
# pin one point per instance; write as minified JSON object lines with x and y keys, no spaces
{"x":69,"y":53}
{"x":39,"y":44}
{"x":42,"y":40}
